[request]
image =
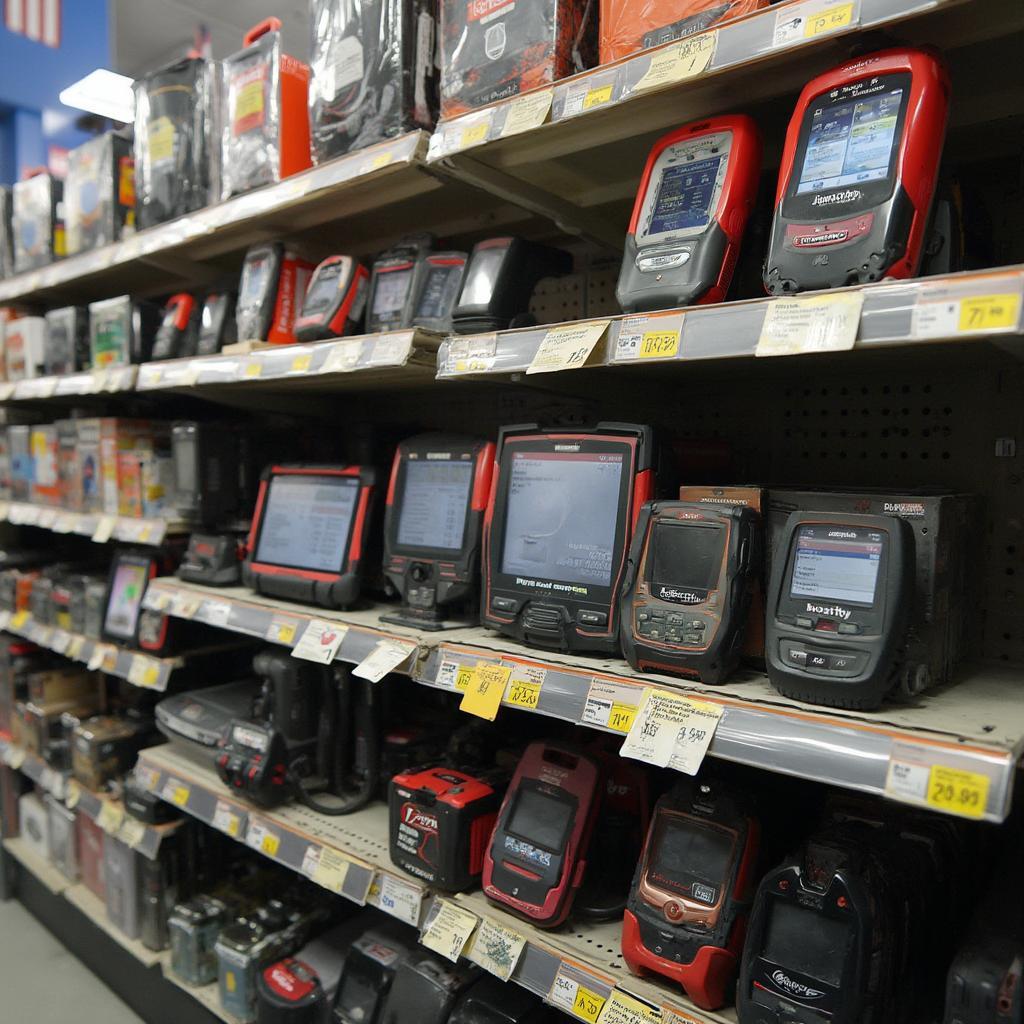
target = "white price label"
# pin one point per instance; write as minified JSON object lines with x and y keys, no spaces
{"x":104,"y":529}
{"x":320,"y":641}
{"x":384,"y":658}
{"x":611,"y":705}
{"x":343,"y":356}
{"x":624,"y":1009}
{"x":390,"y":350}
{"x":400,"y":899}
{"x":261,"y":838}
{"x":567,"y":347}
{"x":672,"y":731}
{"x":226,"y":819}
{"x":450,"y":930}
{"x":216,"y":613}
{"x":812,"y":323}
{"x":527,"y":112}
{"x":144,"y":671}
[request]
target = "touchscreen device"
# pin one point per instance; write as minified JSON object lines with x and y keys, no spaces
{"x":438,"y":289}
{"x":257,"y":291}
{"x":334,"y":300}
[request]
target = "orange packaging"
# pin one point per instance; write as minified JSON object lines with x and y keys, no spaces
{"x":291,"y":290}
{"x":631,"y":25}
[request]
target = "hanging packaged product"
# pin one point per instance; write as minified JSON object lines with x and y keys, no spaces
{"x":6,"y":232}
{"x":67,"y":340}
{"x":698,"y":188}
{"x":25,"y":347}
{"x":858,"y":173}
{"x":121,"y":331}
{"x":216,"y":323}
{"x":627,"y":26}
{"x":374,"y":75}
{"x":179,"y":328}
{"x":270,"y":293}
{"x":38,"y":220}
{"x":334,"y":301}
{"x":176,"y":151}
{"x":394,"y":281}
{"x":492,"y":49}
{"x":265,"y":122}
{"x":99,"y":193}
{"x":438,"y":290}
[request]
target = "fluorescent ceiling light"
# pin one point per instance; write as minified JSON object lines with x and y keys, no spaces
{"x":102,"y":92}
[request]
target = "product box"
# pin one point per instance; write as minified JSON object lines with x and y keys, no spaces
{"x":119,"y":436}
{"x":943,"y":629}
{"x":492,"y":49}
{"x":45,"y":478}
{"x":5,"y":466}
{"x":145,"y":483}
{"x":67,"y":461}
{"x":41,"y":723}
{"x":291,"y":289}
{"x":110,"y":332}
{"x":374,"y":75}
{"x":63,"y":838}
{"x":85,"y":492}
{"x":37,"y":220}
{"x":265,"y":121}
{"x":99,"y":193}
{"x":627,"y":26}
{"x":6,"y":232}
{"x":176,"y":139}
{"x":25,"y":347}
{"x":19,"y":445}
{"x":66,"y":349}
{"x":34,"y":825}
{"x":105,"y":747}
{"x":90,"y":854}
{"x":121,"y":885}
{"x":69,"y":682}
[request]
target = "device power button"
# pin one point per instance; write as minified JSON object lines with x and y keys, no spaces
{"x":673,"y":911}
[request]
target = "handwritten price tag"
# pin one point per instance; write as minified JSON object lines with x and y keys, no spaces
{"x":610,"y":705}
{"x":483,"y":695}
{"x":450,"y":930}
{"x":400,"y":899}
{"x":672,"y":731}
{"x":524,"y":687}
{"x":814,"y":323}
{"x":226,"y":819}
{"x":679,"y":62}
{"x":497,"y":949}
{"x":624,"y":1009}
{"x":320,"y":641}
{"x":567,"y":347}
{"x":384,"y":658}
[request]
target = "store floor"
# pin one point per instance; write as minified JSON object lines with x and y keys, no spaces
{"x":42,"y":983}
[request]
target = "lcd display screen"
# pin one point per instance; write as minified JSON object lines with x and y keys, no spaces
{"x":833,"y":568}
{"x":126,"y":593}
{"x":690,"y":858}
{"x":433,"y":504}
{"x":807,"y":942}
{"x":685,"y":193}
{"x":186,"y":468}
{"x":322,"y":291}
{"x":850,"y":142}
{"x":254,"y":281}
{"x":561,"y":517}
{"x":685,"y":555}
{"x":390,"y":292}
{"x":482,"y":276}
{"x":439,"y":292}
{"x":541,"y":819}
{"x":306,"y":522}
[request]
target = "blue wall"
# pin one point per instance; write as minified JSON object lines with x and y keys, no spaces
{"x":32,"y":76}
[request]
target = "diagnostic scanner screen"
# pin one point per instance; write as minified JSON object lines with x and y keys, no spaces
{"x":684,"y":196}
{"x":126,"y":594}
{"x":836,"y":564}
{"x":541,"y":819}
{"x":323,"y":290}
{"x":439,"y":292}
{"x":807,"y":942}
{"x":186,"y":469}
{"x":685,"y":556}
{"x":561,"y":516}
{"x":390,"y":292}
{"x":434,"y":500}
{"x":254,"y":281}
{"x":850,"y":142}
{"x":306,"y":522}
{"x":690,"y":858}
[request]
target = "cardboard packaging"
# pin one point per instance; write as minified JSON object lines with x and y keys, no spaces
{"x":90,"y":854}
{"x":38,"y":224}
{"x":45,"y":477}
{"x":34,"y":825}
{"x":99,"y":193}
{"x":63,"y":838}
{"x":25,"y":347}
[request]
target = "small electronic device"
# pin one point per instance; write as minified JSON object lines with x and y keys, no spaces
{"x":309,"y":532}
{"x":257,"y":291}
{"x":686,"y":914}
{"x":687,"y":588}
{"x":697,"y":190}
{"x":557,"y":531}
{"x":440,"y":822}
{"x":334,"y":301}
{"x":393,"y":284}
{"x":213,"y":559}
{"x":177,"y":334}
{"x":438,"y":289}
{"x":130,"y":573}
{"x":537,"y":854}
{"x":838,"y":606}
{"x":290,"y":992}
{"x":368,"y":974}
{"x":433,"y":517}
{"x":858,"y":173}
{"x":198,"y":720}
{"x":217,"y":326}
{"x":254,"y":761}
{"x":426,"y":988}
{"x":499,"y":281}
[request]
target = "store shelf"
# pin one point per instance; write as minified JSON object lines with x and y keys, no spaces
{"x":207,"y":996}
{"x":139,"y":668}
{"x":99,"y":527}
{"x":976,"y":725}
{"x":969,"y":307}
{"x":71,"y":385}
{"x":85,"y":900}
{"x":50,"y":876}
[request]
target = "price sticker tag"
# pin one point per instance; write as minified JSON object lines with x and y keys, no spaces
{"x":143,"y":671}
{"x":326,"y":867}
{"x":216,"y":613}
{"x":343,"y":356}
{"x":400,"y":899}
{"x":282,"y":630}
{"x":476,"y":133}
{"x":597,"y":96}
{"x":799,"y":22}
{"x":813,"y":323}
{"x":958,"y":792}
{"x":47,"y":517}
{"x":571,"y":992}
{"x":252,"y":369}
{"x":73,"y":794}
{"x":679,"y":62}
{"x":658,"y":345}
{"x":527,"y":112}
{"x":497,"y":949}
{"x":226,"y":819}
{"x":59,"y":641}
{"x":980,"y":314}
{"x":74,"y":648}
{"x":830,"y":20}
{"x":300,"y":363}
{"x":567,"y":347}
{"x":111,"y":816}
{"x":671,"y":731}
{"x":624,"y":1009}
{"x":524,"y":686}
{"x":450,"y":930}
{"x":110,"y":657}
{"x":64,"y":524}
{"x":16,"y":757}
{"x":185,"y":606}
{"x":104,"y":529}
{"x":914,"y":777}
{"x":320,"y":641}
{"x":20,"y":619}
{"x":261,"y":838}
{"x":96,"y":659}
{"x":158,"y":600}
{"x":611,"y":705}
{"x":175,"y":792}
{"x":150,"y":376}
{"x":384,"y":658}
{"x":132,"y":832}
{"x":483,"y":695}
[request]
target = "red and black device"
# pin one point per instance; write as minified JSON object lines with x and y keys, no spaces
{"x":557,"y":531}
{"x":441,"y":821}
{"x":858,"y":173}
{"x":687,"y":911}
{"x":687,"y":588}
{"x":697,"y":190}
{"x":334,"y":300}
{"x":125,"y":621}
{"x":290,"y":992}
{"x":254,"y":759}
{"x":537,"y":855}
{"x":179,"y":329}
{"x":309,"y":533}
{"x":438,"y":493}
{"x":438,"y":289}
{"x":394,"y":282}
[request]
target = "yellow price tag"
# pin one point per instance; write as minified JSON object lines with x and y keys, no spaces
{"x":988,"y":312}
{"x":659,"y":345}
{"x":249,"y":106}
{"x":253,"y":369}
{"x":144,"y":534}
{"x":20,"y":619}
{"x":269,"y":844}
{"x":483,"y":696}
{"x":331,"y":869}
{"x":300,"y":364}
{"x":74,"y":649}
{"x":524,"y":694}
{"x":381,"y":160}
{"x":595,"y":97}
{"x":464,"y":677}
{"x":73,"y":794}
{"x":587,"y":1005}
{"x":958,"y":791}
{"x":474,"y":135}
{"x":109,"y":663}
{"x":621,"y":716}
{"x":623,"y":1009}
{"x":829,"y":20}
{"x":110,"y":817}
{"x":179,"y":796}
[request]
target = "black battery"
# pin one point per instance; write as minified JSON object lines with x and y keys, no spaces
{"x":289,"y":992}
{"x":440,"y":822}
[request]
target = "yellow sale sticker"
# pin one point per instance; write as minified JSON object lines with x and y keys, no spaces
{"x":989,"y":312}
{"x":483,"y":696}
{"x":596,"y":97}
{"x":958,"y":791}
{"x":830,"y":20}
{"x":659,"y":345}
